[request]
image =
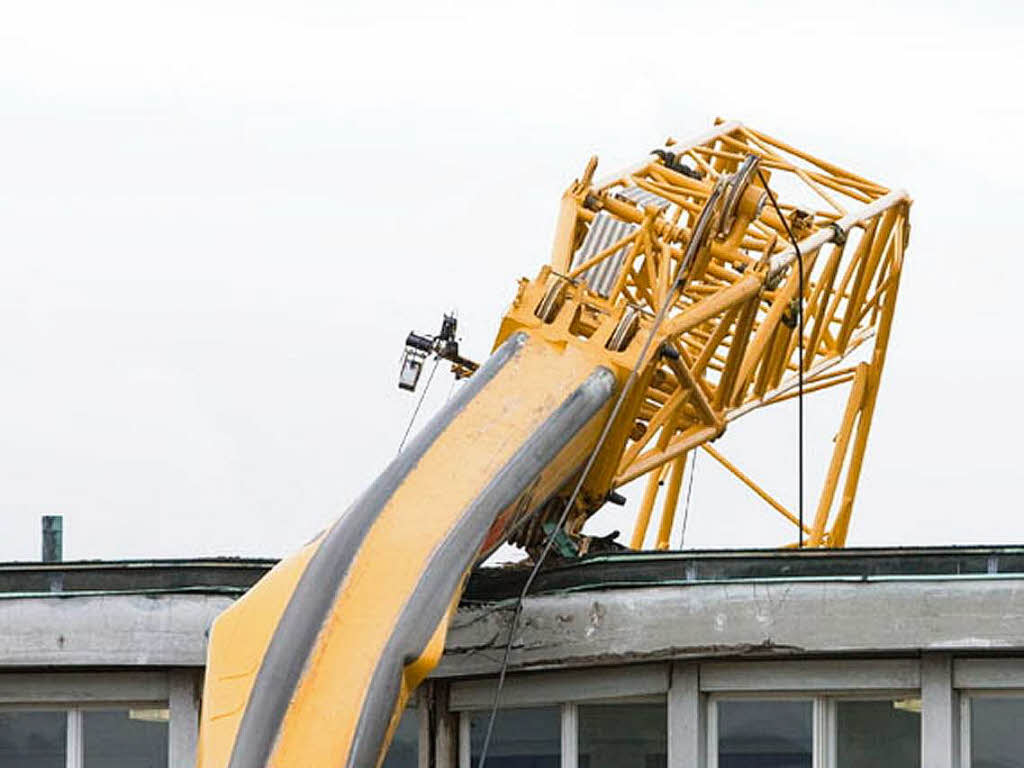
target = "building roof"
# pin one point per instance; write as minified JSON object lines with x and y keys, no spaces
{"x":608,"y":571}
{"x":601,"y":610}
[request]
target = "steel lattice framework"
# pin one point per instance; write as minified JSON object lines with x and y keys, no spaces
{"x":692,"y":233}
{"x":674,"y":303}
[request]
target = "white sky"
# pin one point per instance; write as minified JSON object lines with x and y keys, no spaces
{"x":218,"y":220}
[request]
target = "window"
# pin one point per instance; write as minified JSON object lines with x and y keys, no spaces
{"x":996,"y":733}
{"x":90,"y":738}
{"x":764,"y":733}
{"x":757,"y":714}
{"x":599,"y":734}
{"x":615,"y":735}
{"x":125,"y":738}
{"x":521,"y":738}
{"x":404,"y":749}
{"x":865,"y":728}
{"x":33,"y":739}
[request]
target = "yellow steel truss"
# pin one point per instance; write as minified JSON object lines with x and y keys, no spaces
{"x":670,"y":308}
{"x":694,"y":227}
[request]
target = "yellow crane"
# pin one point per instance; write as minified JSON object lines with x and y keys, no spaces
{"x":715,"y":277}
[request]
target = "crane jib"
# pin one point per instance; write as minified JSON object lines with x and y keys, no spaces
{"x":303,"y":619}
{"x":528,"y":447}
{"x":672,"y":284}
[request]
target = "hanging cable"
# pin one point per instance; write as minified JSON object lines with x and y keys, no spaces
{"x":696,"y":242}
{"x":561,"y":522}
{"x":419,"y":403}
{"x":670,"y":300}
{"x":800,"y":357}
{"x":686,"y":506}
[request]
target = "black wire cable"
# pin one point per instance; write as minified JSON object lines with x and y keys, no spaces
{"x":670,"y":300}
{"x":423,"y":396}
{"x":689,"y":491}
{"x":551,"y":537}
{"x":800,"y":357}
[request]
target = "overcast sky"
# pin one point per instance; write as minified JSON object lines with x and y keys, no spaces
{"x":218,"y":220}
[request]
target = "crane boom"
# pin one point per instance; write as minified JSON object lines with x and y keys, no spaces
{"x":681,"y":294}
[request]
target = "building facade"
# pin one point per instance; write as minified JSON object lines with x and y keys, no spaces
{"x":758,"y":659}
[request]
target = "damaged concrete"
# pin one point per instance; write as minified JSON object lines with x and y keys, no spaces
{"x":938,"y":600}
{"x":754,"y":619}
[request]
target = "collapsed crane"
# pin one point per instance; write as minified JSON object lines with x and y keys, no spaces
{"x":718,"y":276}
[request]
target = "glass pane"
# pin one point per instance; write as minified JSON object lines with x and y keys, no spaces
{"x":997,"y":735}
{"x":765,"y":733}
{"x":404,"y":749}
{"x":616,"y":735}
{"x":135,"y":738}
{"x":522,"y":738}
{"x":867,"y":730}
{"x":33,"y":739}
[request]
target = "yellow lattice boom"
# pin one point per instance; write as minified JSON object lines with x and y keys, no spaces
{"x":698,"y":213}
{"x":672,"y":306}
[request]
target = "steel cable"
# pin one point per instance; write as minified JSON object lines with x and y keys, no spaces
{"x":658,"y":320}
{"x":800,"y":359}
{"x":419,"y":404}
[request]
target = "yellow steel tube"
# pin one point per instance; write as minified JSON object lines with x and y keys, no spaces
{"x":691,"y":438}
{"x":841,"y":527}
{"x":767,"y":497}
{"x":835,"y":467}
{"x":714,"y":305}
{"x":668,"y":510}
{"x":599,"y":257}
{"x":643,"y":517}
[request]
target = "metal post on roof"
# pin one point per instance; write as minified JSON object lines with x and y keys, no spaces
{"x":53,"y":538}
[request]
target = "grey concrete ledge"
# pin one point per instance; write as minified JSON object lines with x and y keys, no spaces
{"x":700,"y":621}
{"x":741,"y":620}
{"x":107,"y":630}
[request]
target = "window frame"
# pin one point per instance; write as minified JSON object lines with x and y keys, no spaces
{"x":633,"y":684}
{"x":831,"y":724}
{"x":74,"y":722}
{"x":983,"y":677}
{"x":967,"y":695}
{"x":943,"y":681}
{"x":75,"y":693}
{"x":824,"y":723}
{"x":711,"y":717}
{"x":568,"y":733}
{"x":567,"y":689}
{"x":569,"y":725}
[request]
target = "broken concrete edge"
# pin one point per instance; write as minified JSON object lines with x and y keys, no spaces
{"x":625,"y":626}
